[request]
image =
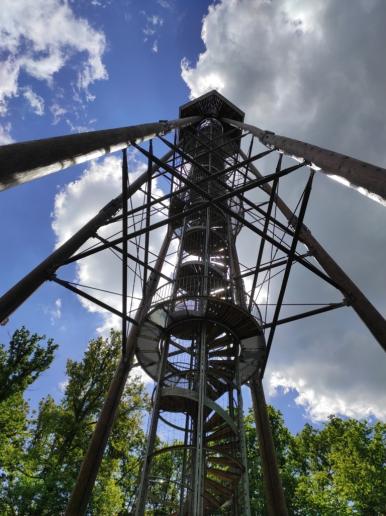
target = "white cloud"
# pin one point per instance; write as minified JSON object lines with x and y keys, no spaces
{"x":77,"y":203}
{"x":330,"y":376}
{"x":78,"y":128}
{"x":62,"y":386}
{"x":9,"y":72}
{"x":153,"y":24}
{"x":155,"y":20}
{"x":301,"y":70}
{"x":5,"y":137}
{"x":32,"y":45}
{"x":57,"y":112}
{"x":36,"y":101}
{"x":99,"y":3}
{"x":165,"y":4}
{"x":54,"y":312}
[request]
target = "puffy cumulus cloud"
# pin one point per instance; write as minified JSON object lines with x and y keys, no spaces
{"x":31,"y":44}
{"x":75,"y":205}
{"x":299,"y":66}
{"x":330,"y":375}
{"x":312,"y":70}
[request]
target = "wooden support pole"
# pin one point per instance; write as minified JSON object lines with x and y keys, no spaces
{"x":274,"y":492}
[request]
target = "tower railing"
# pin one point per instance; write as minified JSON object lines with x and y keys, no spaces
{"x":186,"y":293}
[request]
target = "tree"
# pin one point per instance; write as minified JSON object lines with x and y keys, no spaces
{"x":338,"y":470}
{"x":283,"y":440}
{"x":21,"y":363}
{"x":60,"y":433}
{"x":341,"y":468}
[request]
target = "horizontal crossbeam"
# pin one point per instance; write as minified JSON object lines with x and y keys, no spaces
{"x":309,"y":313}
{"x":93,"y":299}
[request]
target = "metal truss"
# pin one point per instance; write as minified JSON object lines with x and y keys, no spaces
{"x":248,"y":199}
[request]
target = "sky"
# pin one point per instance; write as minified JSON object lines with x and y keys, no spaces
{"x":309,"y":70}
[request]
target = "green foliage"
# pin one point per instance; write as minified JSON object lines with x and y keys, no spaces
{"x":55,"y":440}
{"x":165,"y":476}
{"x":23,"y":361}
{"x":338,"y":470}
{"x":341,"y":468}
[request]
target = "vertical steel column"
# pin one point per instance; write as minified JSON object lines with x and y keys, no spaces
{"x":243,"y":445}
{"x":183,"y":489}
{"x":125,"y":179}
{"x":198,"y":509}
{"x":80,"y":497}
{"x":198,"y":506}
{"x":235,"y":268}
{"x":235,"y":504}
{"x":183,"y":468}
{"x":143,"y":486}
{"x":273,"y":488}
{"x":148,"y":201}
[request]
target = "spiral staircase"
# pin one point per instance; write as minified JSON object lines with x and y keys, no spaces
{"x":200,"y":344}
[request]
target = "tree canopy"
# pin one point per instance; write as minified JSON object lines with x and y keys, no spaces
{"x":336,"y":470}
{"x":41,"y":453}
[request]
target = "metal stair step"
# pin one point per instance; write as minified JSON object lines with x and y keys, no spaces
{"x":219,"y":434}
{"x":229,"y":352}
{"x":213,"y":332}
{"x":213,"y":421}
{"x":219,"y":386}
{"x":225,"y":475}
{"x":211,"y":501}
{"x":218,"y":344}
{"x":224,"y":374}
{"x":222,"y":363}
{"x":226,"y":461}
{"x":218,"y":488}
{"x":222,"y":448}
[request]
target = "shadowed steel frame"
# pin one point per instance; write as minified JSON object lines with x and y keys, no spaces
{"x":25,"y":161}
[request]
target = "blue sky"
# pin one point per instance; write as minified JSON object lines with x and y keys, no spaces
{"x":85,"y":65}
{"x":142,"y":85}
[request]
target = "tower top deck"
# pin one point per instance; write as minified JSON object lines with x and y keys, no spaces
{"x":212,"y":105}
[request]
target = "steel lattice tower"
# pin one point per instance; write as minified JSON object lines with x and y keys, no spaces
{"x":199,"y":341}
{"x":198,"y":332}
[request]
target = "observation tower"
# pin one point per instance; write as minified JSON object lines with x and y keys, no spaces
{"x":202,"y":338}
{"x":197,"y":331}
